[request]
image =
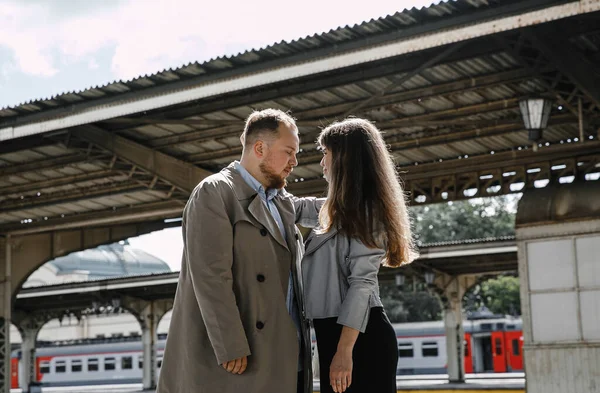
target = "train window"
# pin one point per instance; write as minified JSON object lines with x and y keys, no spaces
{"x":44,"y":367}
{"x":429,"y":349}
{"x":140,"y":362}
{"x":466,"y":344}
{"x":110,"y":364}
{"x":498,"y":343}
{"x":92,"y":364}
{"x":510,"y":326}
{"x":405,"y":350}
{"x":126,"y":363}
{"x":60,"y":366}
{"x":515,"y":347}
{"x":76,"y":366}
{"x":486,"y":326}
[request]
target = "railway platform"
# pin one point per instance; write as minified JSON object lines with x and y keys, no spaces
{"x":475,"y":383}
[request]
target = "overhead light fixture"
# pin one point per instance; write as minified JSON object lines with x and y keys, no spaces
{"x":535,"y":113}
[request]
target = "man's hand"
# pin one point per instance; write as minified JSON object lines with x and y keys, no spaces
{"x":237,"y":366}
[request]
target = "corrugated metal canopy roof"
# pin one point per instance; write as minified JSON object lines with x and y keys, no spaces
{"x":450,"y":116}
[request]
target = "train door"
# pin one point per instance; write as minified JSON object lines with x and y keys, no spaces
{"x":468,"y":354}
{"x":514,"y":350}
{"x":498,"y":353}
{"x":14,"y":373}
{"x":482,"y":353}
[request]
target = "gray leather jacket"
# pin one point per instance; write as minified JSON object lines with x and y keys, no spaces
{"x":339,"y":277}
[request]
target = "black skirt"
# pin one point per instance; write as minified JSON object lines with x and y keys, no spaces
{"x":374,"y":357}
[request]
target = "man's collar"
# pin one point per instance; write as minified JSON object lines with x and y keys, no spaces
{"x":240,"y":186}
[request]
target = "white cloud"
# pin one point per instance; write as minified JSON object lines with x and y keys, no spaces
{"x":151,"y":35}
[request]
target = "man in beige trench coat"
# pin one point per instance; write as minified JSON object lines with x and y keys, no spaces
{"x":237,"y":320}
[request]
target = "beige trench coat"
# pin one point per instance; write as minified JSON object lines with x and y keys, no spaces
{"x":231,"y":296}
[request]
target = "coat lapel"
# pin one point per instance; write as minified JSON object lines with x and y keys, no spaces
{"x":257,"y":208}
{"x":259,"y":211}
{"x":288,"y":216}
{"x":317,"y":241}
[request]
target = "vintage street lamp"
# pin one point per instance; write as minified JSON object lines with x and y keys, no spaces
{"x":399,"y":279}
{"x":535,"y":112}
{"x":429,"y":277}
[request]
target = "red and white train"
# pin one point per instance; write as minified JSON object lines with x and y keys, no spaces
{"x":491,"y":346}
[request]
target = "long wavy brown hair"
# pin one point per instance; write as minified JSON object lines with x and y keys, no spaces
{"x":365,"y":198}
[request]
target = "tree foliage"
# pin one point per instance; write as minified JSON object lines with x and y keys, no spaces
{"x":452,"y":221}
{"x":500,"y":295}
{"x":462,"y":220}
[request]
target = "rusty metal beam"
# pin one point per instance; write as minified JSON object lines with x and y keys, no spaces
{"x":24,"y":144}
{"x":45,"y":164}
{"x":410,"y":121}
{"x":486,"y":171}
{"x":199,"y":136}
{"x":62,"y":197}
{"x":131,"y":214}
{"x":464,"y":85}
{"x":404,"y":78}
{"x":180,"y":174}
{"x":50,"y":183}
{"x":567,"y":59}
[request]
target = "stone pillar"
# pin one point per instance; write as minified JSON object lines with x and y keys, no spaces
{"x":558,"y":238}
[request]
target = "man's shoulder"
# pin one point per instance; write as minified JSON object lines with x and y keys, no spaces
{"x":216,"y":184}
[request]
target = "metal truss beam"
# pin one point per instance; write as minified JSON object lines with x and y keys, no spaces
{"x":131,"y":214}
{"x":304,"y":117}
{"x":51,"y":183}
{"x":180,"y":174}
{"x":62,"y":197}
{"x":410,"y":121}
{"x":45,"y":164}
{"x":568,"y":60}
{"x":487,"y":175}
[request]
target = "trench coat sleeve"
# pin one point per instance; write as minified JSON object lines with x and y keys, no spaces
{"x":209,"y":245}
{"x":363,"y":264}
{"x":307,"y":210}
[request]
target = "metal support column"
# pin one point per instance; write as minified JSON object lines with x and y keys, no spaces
{"x":5,"y":371}
{"x":149,"y":325}
{"x":455,"y":347}
{"x":29,"y":330}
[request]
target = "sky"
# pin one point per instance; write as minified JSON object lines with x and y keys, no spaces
{"x":49,"y":47}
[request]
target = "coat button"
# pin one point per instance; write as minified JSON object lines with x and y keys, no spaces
{"x":263,"y":232}
{"x":260,"y":278}
{"x":260,"y":325}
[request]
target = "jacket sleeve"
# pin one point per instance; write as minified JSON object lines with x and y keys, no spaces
{"x":307,"y":210}
{"x":363,"y":264}
{"x":209,"y":247}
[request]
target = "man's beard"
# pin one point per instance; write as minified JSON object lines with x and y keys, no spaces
{"x":273,"y":179}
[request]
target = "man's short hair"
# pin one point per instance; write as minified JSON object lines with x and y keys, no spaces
{"x":265,"y":124}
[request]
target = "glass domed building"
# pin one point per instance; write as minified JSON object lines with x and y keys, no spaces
{"x":109,"y":261}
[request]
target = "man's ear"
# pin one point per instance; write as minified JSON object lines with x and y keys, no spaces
{"x":259,"y":149}
{"x":243,"y":139}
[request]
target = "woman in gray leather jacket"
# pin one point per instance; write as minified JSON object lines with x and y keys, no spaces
{"x":363,"y":224}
